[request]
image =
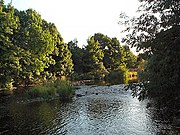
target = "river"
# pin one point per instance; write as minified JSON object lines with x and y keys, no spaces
{"x":97,"y":110}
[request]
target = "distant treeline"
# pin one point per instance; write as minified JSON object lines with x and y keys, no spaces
{"x":103,"y":58}
{"x":33,"y":51}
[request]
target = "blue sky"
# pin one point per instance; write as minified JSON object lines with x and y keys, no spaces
{"x":81,"y":18}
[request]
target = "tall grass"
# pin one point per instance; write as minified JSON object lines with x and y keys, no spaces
{"x":63,"y":89}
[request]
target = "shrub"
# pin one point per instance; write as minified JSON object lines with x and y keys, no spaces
{"x":64,"y":89}
{"x":96,"y":74}
{"x":41,"y":91}
{"x":87,"y":76}
{"x":118,"y":76}
{"x":101,"y":72}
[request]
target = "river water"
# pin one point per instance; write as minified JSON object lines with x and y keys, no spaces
{"x":97,"y":110}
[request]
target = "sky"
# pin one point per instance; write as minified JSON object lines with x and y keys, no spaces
{"x":81,"y":18}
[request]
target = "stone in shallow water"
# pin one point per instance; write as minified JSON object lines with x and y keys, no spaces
{"x":79,"y":95}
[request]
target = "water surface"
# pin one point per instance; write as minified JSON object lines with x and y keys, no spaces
{"x":98,"y":110}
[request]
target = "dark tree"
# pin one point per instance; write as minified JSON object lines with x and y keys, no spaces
{"x":77,"y":56}
{"x":157,"y":32}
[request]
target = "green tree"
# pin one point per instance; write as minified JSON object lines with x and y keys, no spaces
{"x":117,"y":54}
{"x":155,"y":15}
{"x":31,"y":48}
{"x":92,"y":56}
{"x":156,"y":32}
{"x":113,"y":51}
{"x":77,"y":56}
{"x":36,"y":43}
{"x":9,"y":60}
{"x":64,"y":63}
{"x":164,"y":66}
{"x":53,"y":68}
{"x":130,"y":59}
{"x":103,"y":40}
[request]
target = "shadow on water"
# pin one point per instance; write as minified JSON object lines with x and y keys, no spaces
{"x":102,"y":110}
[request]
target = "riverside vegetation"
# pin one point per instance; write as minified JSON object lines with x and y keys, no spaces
{"x":156,"y":31}
{"x":33,"y":52}
{"x":62,"y":89}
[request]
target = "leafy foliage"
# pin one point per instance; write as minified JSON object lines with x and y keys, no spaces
{"x":32,"y":50}
{"x":130,"y":59}
{"x":93,"y":55}
{"x":113,"y":51}
{"x":164,"y":65}
{"x":155,"y":15}
{"x":156,"y":32}
{"x":117,"y":76}
{"x":9,"y":61}
{"x":77,"y":56}
{"x":101,"y":56}
{"x":36,"y":44}
{"x":64,"y":63}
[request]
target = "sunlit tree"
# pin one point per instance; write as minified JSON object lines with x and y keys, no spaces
{"x":36,"y":44}
{"x":92,"y":56}
{"x":9,"y":60}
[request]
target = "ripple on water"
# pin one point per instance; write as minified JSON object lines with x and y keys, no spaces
{"x":106,"y":110}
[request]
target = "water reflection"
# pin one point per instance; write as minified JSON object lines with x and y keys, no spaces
{"x":103,"y":110}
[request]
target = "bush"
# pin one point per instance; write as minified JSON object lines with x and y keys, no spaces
{"x":101,"y":72}
{"x":118,"y":76}
{"x":63,"y":89}
{"x":97,"y":74}
{"x":41,"y":91}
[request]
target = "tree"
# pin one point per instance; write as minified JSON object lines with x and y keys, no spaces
{"x":63,"y":65}
{"x":164,"y":66}
{"x":156,"y":31}
{"x":103,"y":40}
{"x":9,"y":60}
{"x":168,"y":10}
{"x":77,"y":56}
{"x":92,"y":56}
{"x":36,"y":43}
{"x":31,"y":48}
{"x":117,"y":54}
{"x":130,"y":59}
{"x":113,"y":51}
{"x":155,"y":15}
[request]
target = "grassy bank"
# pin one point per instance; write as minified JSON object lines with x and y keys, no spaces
{"x":62,"y":89}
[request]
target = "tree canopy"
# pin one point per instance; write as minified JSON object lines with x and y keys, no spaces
{"x":31,"y":48}
{"x":9,"y":65}
{"x":156,"y":32}
{"x":33,"y":51}
{"x":155,"y":15}
{"x":101,"y":56}
{"x":93,"y":55}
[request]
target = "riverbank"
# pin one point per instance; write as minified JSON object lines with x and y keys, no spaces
{"x":62,"y":90}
